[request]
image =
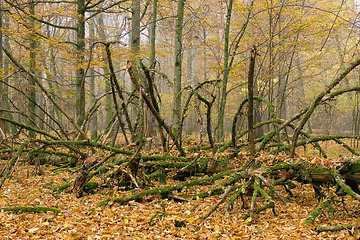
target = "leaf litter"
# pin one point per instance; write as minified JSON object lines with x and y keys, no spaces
{"x":155,"y":218}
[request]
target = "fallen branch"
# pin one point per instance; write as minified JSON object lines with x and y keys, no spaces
{"x":335,"y":228}
{"x":226,"y":194}
{"x":12,"y":162}
{"x":30,"y":209}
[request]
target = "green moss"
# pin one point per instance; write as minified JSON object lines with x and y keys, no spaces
{"x":320,"y":170}
{"x":62,"y":187}
{"x":90,"y":186}
{"x":164,"y":190}
{"x":30,"y":209}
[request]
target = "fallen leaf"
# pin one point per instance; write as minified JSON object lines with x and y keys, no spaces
{"x":32,"y":230}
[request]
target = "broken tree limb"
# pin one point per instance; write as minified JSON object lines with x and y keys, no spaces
{"x":316,"y":212}
{"x":270,"y":203}
{"x":115,"y":83}
{"x":12,"y":162}
{"x":83,"y":177}
{"x":208,"y":104}
{"x":226,"y":194}
{"x":239,"y":112}
{"x":156,"y":114}
{"x":317,"y":101}
{"x":335,"y":228}
{"x":84,"y":143}
{"x":343,"y":186}
{"x":318,"y":139}
{"x":166,"y":190}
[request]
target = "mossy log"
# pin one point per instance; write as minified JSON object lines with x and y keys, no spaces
{"x":30,"y":209}
{"x":89,"y":187}
{"x":334,"y":228}
{"x":260,"y":184}
{"x":202,"y":165}
{"x":166,"y":190}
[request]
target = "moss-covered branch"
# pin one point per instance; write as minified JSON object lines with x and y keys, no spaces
{"x":343,"y":186}
{"x":334,"y":228}
{"x":166,"y":190}
{"x":30,"y":209}
{"x":12,"y":162}
{"x":316,"y":212}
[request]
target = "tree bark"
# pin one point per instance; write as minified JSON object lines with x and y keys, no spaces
{"x":224,"y":82}
{"x":153,"y":34}
{"x":93,"y":120}
{"x":2,"y":96}
{"x":32,"y":69}
{"x":178,"y":67}
{"x":251,"y":102}
{"x":80,"y":57}
{"x":109,"y":103}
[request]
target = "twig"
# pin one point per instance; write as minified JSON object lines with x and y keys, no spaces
{"x":132,"y":178}
{"x":225,"y":195}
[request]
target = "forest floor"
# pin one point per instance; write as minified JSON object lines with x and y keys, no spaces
{"x":80,"y":218}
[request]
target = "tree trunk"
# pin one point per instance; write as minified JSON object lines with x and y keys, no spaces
{"x":80,"y":52}
{"x":251,"y":102}
{"x":109,"y":103}
{"x":4,"y":100}
{"x":224,"y":82}
{"x":153,"y":34}
{"x":32,"y":69}
{"x":178,"y":67}
{"x":2,"y":97}
{"x":93,"y":121}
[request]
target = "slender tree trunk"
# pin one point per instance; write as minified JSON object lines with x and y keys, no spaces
{"x":80,"y":52}
{"x":4,"y":100}
{"x":54,"y":87}
{"x":151,"y":121}
{"x":271,"y":56}
{"x":93,"y":121}
{"x":2,"y":97}
{"x":135,"y":31}
{"x":32,"y":69}
{"x":178,"y":67}
{"x":251,"y":102}
{"x":135,"y":50}
{"x":205,"y":67}
{"x":109,"y":103}
{"x":223,"y":91}
{"x":153,"y":34}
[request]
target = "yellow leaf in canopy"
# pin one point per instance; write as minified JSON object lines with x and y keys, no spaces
{"x":46,"y":223}
{"x":190,"y":220}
